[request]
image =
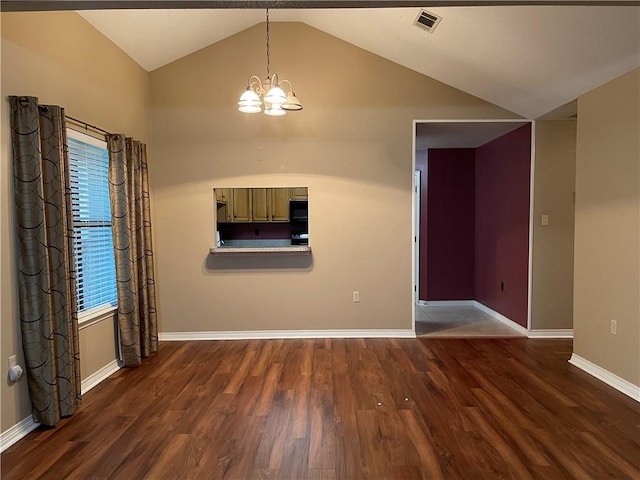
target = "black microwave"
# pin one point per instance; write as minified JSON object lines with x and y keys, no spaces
{"x":299,"y":211}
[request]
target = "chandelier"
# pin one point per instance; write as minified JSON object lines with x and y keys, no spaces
{"x":270,"y":93}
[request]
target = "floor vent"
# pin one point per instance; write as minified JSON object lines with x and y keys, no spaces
{"x":427,"y":21}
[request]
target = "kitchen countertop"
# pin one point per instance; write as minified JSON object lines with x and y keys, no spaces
{"x":271,"y":250}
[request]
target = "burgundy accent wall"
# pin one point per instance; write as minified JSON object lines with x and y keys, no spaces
{"x":503,"y":169}
{"x":247,"y":231}
{"x":450,"y":210}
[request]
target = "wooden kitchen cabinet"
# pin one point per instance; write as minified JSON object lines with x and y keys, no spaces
{"x":223,"y":195}
{"x":245,"y":205}
{"x":241,"y":205}
{"x":261,"y":204}
{"x":280,"y":204}
{"x":223,"y":204}
{"x":270,"y":204}
{"x":299,"y":193}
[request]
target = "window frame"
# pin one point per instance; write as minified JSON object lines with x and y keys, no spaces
{"x":103,"y":311}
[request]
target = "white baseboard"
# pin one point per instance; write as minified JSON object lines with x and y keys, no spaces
{"x":551,"y":333}
{"x":96,"y":377}
{"x":278,"y":334}
{"x":17,"y":432}
{"x":606,"y":376}
{"x":26,"y":425}
{"x":448,"y":303}
{"x":501,"y":318}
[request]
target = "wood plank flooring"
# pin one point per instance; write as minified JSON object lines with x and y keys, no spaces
{"x":343,"y":409}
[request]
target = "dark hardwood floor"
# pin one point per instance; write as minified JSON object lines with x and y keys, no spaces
{"x":343,"y":409}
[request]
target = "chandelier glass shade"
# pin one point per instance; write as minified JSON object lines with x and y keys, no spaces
{"x":268,"y":93}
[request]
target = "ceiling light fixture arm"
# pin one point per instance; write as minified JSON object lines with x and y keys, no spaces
{"x":254,"y":83}
{"x":290,"y":84}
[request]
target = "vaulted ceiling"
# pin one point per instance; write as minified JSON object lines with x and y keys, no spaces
{"x":527,"y":59}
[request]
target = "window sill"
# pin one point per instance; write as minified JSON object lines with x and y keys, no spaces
{"x":95,"y":315}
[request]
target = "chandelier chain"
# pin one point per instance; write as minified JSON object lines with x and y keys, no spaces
{"x":268,"y":49}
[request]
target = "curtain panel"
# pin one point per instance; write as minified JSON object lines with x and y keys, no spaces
{"x":46,"y":268}
{"x":131,"y":226}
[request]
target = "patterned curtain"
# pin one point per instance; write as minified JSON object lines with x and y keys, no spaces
{"x":46,"y":269}
{"x":131,"y":224}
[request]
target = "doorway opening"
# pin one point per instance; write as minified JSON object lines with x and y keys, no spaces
{"x":473,"y":227}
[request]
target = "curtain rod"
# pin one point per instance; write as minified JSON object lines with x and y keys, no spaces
{"x":87,"y":125}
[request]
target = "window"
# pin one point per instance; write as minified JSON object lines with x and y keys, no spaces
{"x":93,"y":244}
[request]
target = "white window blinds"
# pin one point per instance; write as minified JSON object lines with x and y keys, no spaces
{"x":93,"y":244}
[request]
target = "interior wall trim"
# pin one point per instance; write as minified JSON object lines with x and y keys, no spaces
{"x":551,"y":333}
{"x":448,"y":303}
{"x":17,"y":432}
{"x":284,"y":334}
{"x":532,"y":186}
{"x":98,"y":376}
{"x":501,"y":318}
{"x":606,"y":376}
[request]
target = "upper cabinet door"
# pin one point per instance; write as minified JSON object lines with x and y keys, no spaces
{"x":261,"y":204}
{"x":241,"y":205}
{"x":280,"y":204}
{"x":223,"y":195}
{"x":299,"y":193}
{"x":223,"y":205}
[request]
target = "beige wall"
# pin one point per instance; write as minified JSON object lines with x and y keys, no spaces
{"x":98,"y":346}
{"x":61,"y":59}
{"x":554,"y":187}
{"x":351,"y":145}
{"x":607,"y":232}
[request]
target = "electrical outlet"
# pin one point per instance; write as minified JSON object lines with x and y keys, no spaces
{"x":614,"y":327}
{"x":356,"y":297}
{"x":12,"y":361}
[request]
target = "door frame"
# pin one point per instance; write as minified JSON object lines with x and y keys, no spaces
{"x":415,"y":255}
{"x":417,"y":196}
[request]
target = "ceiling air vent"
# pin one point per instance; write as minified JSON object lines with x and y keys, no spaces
{"x":427,"y":21}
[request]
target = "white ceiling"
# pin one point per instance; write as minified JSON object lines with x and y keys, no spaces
{"x":527,"y":59}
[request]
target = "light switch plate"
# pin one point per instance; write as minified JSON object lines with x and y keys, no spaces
{"x":544,"y":220}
